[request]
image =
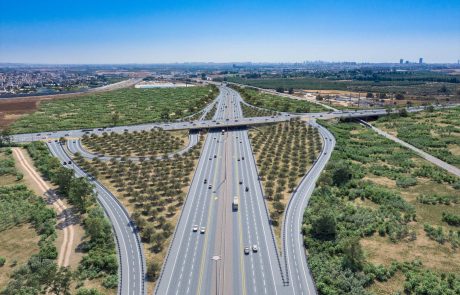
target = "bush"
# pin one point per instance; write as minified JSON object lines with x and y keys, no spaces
{"x":406,"y":182}
{"x":110,"y":282}
{"x":84,"y":291}
{"x":2,"y":261}
{"x":451,"y":219}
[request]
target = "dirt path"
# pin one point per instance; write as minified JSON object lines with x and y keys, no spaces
{"x":63,"y":214}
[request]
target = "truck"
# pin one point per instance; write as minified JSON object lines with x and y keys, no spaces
{"x":235,"y":203}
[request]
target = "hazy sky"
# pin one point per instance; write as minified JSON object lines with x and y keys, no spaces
{"x":100,"y":31}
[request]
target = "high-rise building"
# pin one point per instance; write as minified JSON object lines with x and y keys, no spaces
{"x":401,"y":61}
{"x":420,"y":60}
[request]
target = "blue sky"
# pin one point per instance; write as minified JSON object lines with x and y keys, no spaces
{"x":101,"y":31}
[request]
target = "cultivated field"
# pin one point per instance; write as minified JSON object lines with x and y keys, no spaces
{"x":154,"y":143}
{"x":119,"y":107}
{"x":153,"y":192}
{"x":284,"y":154}
{"x":277,"y":103}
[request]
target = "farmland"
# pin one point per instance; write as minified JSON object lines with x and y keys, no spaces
{"x":152,"y":190}
{"x":435,"y":132}
{"x":277,"y":103}
{"x":415,"y":83}
{"x":154,"y":143}
{"x":377,"y":220}
{"x":119,"y":107}
{"x":295,"y":146}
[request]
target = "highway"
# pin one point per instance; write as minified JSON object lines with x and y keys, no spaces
{"x":300,"y":278}
{"x":214,"y":262}
{"x":129,"y":248}
{"x":217,"y":122}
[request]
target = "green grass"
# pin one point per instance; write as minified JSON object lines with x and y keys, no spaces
{"x":133,"y":106}
{"x":277,"y":103}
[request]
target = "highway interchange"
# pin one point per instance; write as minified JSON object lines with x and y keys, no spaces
{"x":214,"y":262}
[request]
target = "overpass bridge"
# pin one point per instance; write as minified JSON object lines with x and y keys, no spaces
{"x":212,"y":124}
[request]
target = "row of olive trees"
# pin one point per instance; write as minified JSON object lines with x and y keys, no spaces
{"x":284,"y":154}
{"x":153,"y":190}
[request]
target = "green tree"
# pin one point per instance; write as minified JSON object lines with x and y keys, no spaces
{"x":115,"y":118}
{"x":152,"y":270}
{"x":81,"y":193}
{"x":5,"y":137}
{"x":353,"y":254}
{"x":61,"y":282}
{"x":63,"y":178}
{"x":324,"y":226}
{"x":341,"y":174}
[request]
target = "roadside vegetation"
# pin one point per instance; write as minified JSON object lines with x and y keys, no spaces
{"x":376,"y":224}
{"x":27,"y":229}
{"x":284,"y":154}
{"x":153,"y":191}
{"x":276,"y":103}
{"x":120,"y":107}
{"x":249,"y":111}
{"x":155,"y":143}
{"x":436,"y":132}
{"x":211,"y":112}
{"x":99,"y":265}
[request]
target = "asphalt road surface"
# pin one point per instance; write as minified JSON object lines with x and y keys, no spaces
{"x":129,"y":248}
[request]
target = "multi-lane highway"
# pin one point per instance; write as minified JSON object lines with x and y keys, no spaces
{"x":129,"y":247}
{"x":216,"y":249}
{"x":214,"y":262}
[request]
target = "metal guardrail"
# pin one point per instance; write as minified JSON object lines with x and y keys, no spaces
{"x":187,"y":199}
{"x":138,"y":242}
{"x":285,"y":280}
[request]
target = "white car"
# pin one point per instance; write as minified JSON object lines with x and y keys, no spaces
{"x":202,"y":230}
{"x":195,"y":228}
{"x":255,"y":248}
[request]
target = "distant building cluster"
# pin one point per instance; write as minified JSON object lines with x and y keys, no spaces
{"x":420,"y":61}
{"x":47,"y":81}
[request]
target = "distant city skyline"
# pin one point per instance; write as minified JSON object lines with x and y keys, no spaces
{"x":118,"y":32}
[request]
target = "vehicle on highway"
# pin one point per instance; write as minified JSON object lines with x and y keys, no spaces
{"x":247,"y":189}
{"x":255,"y":248}
{"x":241,"y":182}
{"x":202,"y":230}
{"x":235,"y":203}
{"x":210,"y":186}
{"x":215,"y":156}
{"x":242,"y":158}
{"x":246,"y":250}
{"x":195,"y":228}
{"x":205,"y":181}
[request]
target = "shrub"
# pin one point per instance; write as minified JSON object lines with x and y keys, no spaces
{"x":2,"y":261}
{"x":451,"y":219}
{"x":405,"y":182}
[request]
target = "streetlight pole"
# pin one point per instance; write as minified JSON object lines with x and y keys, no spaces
{"x":216,"y":259}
